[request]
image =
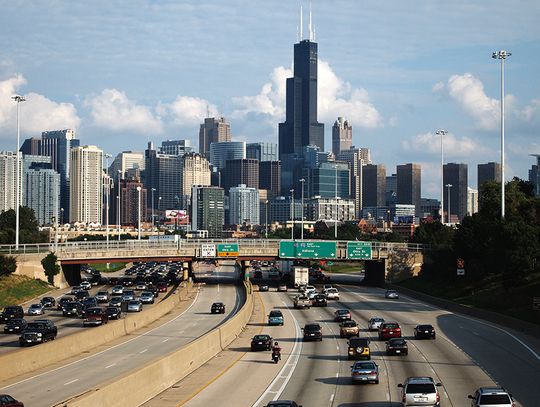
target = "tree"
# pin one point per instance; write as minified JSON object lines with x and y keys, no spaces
{"x":50,"y":266}
{"x":8,"y":265}
{"x":28,"y":227}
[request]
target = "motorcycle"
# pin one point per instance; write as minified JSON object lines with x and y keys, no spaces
{"x":276,"y":356}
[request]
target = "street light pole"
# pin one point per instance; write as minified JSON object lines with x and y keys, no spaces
{"x":302,"y":211}
{"x":139,"y":212}
{"x":292,"y":213}
{"x":153,"y":189}
{"x":107,"y":197}
{"x":502,"y":55}
{"x":448,"y":186}
{"x":18,"y":99}
{"x":442,"y":133}
{"x":266,"y":219}
{"x":119,"y":197}
{"x":335,"y":223}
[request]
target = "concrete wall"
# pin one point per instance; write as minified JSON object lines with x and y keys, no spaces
{"x":26,"y":360}
{"x":146,"y":382}
{"x":29,"y":265}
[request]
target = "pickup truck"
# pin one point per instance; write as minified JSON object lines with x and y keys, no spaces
{"x":302,"y":301}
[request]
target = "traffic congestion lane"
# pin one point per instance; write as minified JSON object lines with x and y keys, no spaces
{"x":52,"y":387}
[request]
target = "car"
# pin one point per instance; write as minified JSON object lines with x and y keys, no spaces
{"x":15,"y":326}
{"x":420,"y":391}
{"x":358,"y":349}
{"x":365,"y":372}
{"x":73,"y":309}
{"x":217,"y":308}
{"x":319,"y":300}
{"x":261,"y":342}
{"x":141,"y":285}
{"x":11,"y":312}
{"x":126,"y":281}
{"x":86,"y":285}
{"x":275,"y":317}
{"x":311,"y":294}
{"x":95,"y":316}
{"x":327,"y":287}
{"x":117,"y":290}
{"x":491,"y":396}
{"x":393,"y":294}
{"x":348,"y":329}
{"x":264,"y":287}
{"x":283,"y":403}
{"x":128,"y":295}
{"x":389,"y":330}
{"x":75,"y":289}
{"x":342,"y":315}
{"x":63,"y":301}
{"x":397,"y":346}
{"x":424,"y":331}
{"x":312,"y":332}
{"x":282,"y":287}
{"x":38,"y":331}
{"x":35,"y":309}
{"x":7,"y":401}
{"x":134,"y":306}
{"x":146,"y":297}
{"x":48,"y":302}
{"x":115,"y":302}
{"x":374,"y":323}
{"x":301,"y":301}
{"x":331,"y":293}
{"x":162,"y":287}
{"x":103,"y":296}
{"x":114,"y":312}
{"x":89,"y":302}
{"x":82,"y":294}
{"x":306,"y":289}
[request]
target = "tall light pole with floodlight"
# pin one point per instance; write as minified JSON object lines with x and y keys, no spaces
{"x":266,"y":219}
{"x":119,"y":197}
{"x":442,"y":133}
{"x":336,"y":197}
{"x":153,"y":189}
{"x":139,"y":212}
{"x":302,"y":210}
{"x":18,"y":99}
{"x":502,"y":55}
{"x":292,"y":214}
{"x":448,"y":186}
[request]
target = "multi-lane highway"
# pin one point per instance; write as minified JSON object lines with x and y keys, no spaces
{"x":467,"y":354}
{"x":54,"y":386}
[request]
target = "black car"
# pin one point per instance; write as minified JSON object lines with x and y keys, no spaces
{"x":63,"y":301}
{"x":114,"y":312}
{"x":424,"y":331}
{"x":48,"y":302}
{"x":115,"y":301}
{"x":319,"y":301}
{"x":73,"y":309}
{"x":261,"y":342}
{"x":11,"y":312}
{"x":283,"y":403}
{"x":312,"y":332}
{"x":218,"y":308}
{"x":38,"y":331}
{"x":15,"y":326}
{"x":397,"y":346}
{"x":81,"y":295}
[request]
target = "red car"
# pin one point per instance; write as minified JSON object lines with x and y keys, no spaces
{"x":389,"y":330}
{"x":8,"y":401}
{"x":162,"y":287}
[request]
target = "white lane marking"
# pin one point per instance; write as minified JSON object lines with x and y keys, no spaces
{"x":144,"y":350}
{"x":73,"y":381}
{"x":105,"y":350}
{"x":114,"y":364}
{"x":388,"y":396}
{"x":165,"y":340}
{"x":332,"y":397}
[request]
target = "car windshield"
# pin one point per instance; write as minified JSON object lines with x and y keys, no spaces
{"x":261,"y":337}
{"x":276,"y":314}
{"x":349,"y":324}
{"x":342,"y":311}
{"x":422,"y":388}
{"x":495,"y":399}
{"x":364,"y":365}
{"x":425,"y":327}
{"x":312,"y":328}
{"x":396,"y":341}
{"x":377,"y":320}
{"x":391,"y":326}
{"x":35,"y":306}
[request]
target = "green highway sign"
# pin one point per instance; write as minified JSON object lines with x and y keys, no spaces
{"x":359,"y":250}
{"x":307,"y":250}
{"x":227,"y":250}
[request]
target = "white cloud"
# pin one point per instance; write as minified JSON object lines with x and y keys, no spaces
{"x":37,"y":114}
{"x":187,"y":111}
{"x":335,"y":98}
{"x":453,"y":146}
{"x":113,"y":110}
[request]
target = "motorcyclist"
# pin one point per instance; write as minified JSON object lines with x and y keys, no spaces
{"x":276,"y":350}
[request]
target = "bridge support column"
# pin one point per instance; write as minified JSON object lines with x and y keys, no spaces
{"x":374,"y":273}
{"x":187,"y":268}
{"x":245,"y":266}
{"x":72,"y":273}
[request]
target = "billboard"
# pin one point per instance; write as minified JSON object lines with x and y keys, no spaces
{"x":176,"y":214}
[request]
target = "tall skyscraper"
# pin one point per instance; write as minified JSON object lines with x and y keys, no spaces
{"x":244,"y":205}
{"x":176,"y":147}
{"x":164,"y":174}
{"x":341,"y":136}
{"x":195,"y":171}
{"x":208,"y":210}
{"x":270,"y":177}
{"x":373,"y":185}
{"x":534,"y":175}
{"x":213,"y":131}
{"x":409,"y":185}
{"x":472,"y":201}
{"x":356,"y":158}
{"x":86,"y":184}
{"x":262,"y":151}
{"x":391,"y":189}
{"x":221,"y":152}
{"x":488,"y":172}
{"x":8,"y":170}
{"x":127,"y":160}
{"x":130,"y":201}
{"x":244,"y":171}
{"x":322,"y":181}
{"x":457,"y":176}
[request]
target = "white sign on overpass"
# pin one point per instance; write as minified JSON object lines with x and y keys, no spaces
{"x":208,"y":250}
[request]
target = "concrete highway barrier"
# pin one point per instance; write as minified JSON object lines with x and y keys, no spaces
{"x":26,"y":360}
{"x":134,"y":388}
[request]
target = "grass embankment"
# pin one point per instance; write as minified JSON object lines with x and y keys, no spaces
{"x":515,"y":302}
{"x":18,"y":289}
{"x":102,"y":267}
{"x":343,"y":267}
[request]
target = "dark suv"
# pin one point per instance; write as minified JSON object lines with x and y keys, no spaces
{"x":72,"y":309}
{"x":95,"y":316}
{"x":38,"y":331}
{"x":11,"y":312}
{"x":312,"y":332}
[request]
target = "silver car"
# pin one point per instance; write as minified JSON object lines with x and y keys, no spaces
{"x":420,"y":391}
{"x":102,"y":296}
{"x":374,"y":323}
{"x":491,"y":396}
{"x":134,"y":306}
{"x":365,"y":372}
{"x":118,"y":290}
{"x":147,"y":297}
{"x":35,"y":309}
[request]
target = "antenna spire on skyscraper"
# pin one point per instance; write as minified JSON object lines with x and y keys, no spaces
{"x":301,"y":26}
{"x":310,"y":26}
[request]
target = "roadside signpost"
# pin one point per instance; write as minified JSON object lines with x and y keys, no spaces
{"x":307,"y":250}
{"x":208,"y":250}
{"x":359,"y":251}
{"x":227,"y":250}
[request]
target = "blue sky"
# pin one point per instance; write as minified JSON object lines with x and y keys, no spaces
{"x":123,"y":73}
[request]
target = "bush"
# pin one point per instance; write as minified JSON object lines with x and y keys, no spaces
{"x":8,"y":265}
{"x":50,"y":267}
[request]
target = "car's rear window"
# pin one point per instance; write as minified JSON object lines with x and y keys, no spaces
{"x":260,"y":337}
{"x":494,"y":399}
{"x":276,"y":314}
{"x":397,"y":341}
{"x":349,"y":324}
{"x":391,"y":326}
{"x":425,"y":327}
{"x":421,"y":388}
{"x":367,"y":365}
{"x":312,"y":328}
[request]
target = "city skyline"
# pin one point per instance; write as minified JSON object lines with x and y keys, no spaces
{"x":397,"y":78}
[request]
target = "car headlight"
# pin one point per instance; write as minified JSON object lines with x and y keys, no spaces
{"x":40,"y":335}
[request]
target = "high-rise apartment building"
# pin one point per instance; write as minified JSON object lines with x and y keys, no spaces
{"x":176,"y":147}
{"x":282,"y":209}
{"x":341,"y":136}
{"x":243,"y":171}
{"x":472,"y":201}
{"x":262,"y":151}
{"x":455,"y":175}
{"x":534,"y":175}
{"x":164,"y":174}
{"x":356,"y":158}
{"x":213,"y":131}
{"x":409,"y":185}
{"x":488,"y":172}
{"x":220,"y":153}
{"x":129,"y":197}
{"x":319,"y":208}
{"x":86,"y":184}
{"x":326,"y":181}
{"x":244,"y":205}
{"x":208,"y":210}
{"x":126,"y":160}
{"x":8,"y":187}
{"x":195,"y":171}
{"x":373,"y":185}
{"x":270,"y":177}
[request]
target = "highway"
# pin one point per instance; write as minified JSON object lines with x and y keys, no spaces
{"x":466,"y":354}
{"x":52,"y":387}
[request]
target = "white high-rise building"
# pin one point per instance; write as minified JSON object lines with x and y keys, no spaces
{"x":472,"y":201}
{"x":244,"y":205}
{"x":195,"y":171}
{"x":127,"y":160}
{"x":86,"y":185}
{"x":8,"y":170}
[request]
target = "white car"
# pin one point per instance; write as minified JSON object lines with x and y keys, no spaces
{"x":331,"y":294}
{"x":118,"y":290}
{"x":85,"y":285}
{"x":374,"y":323}
{"x":327,"y":286}
{"x":391,"y":294}
{"x":311,"y":294}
